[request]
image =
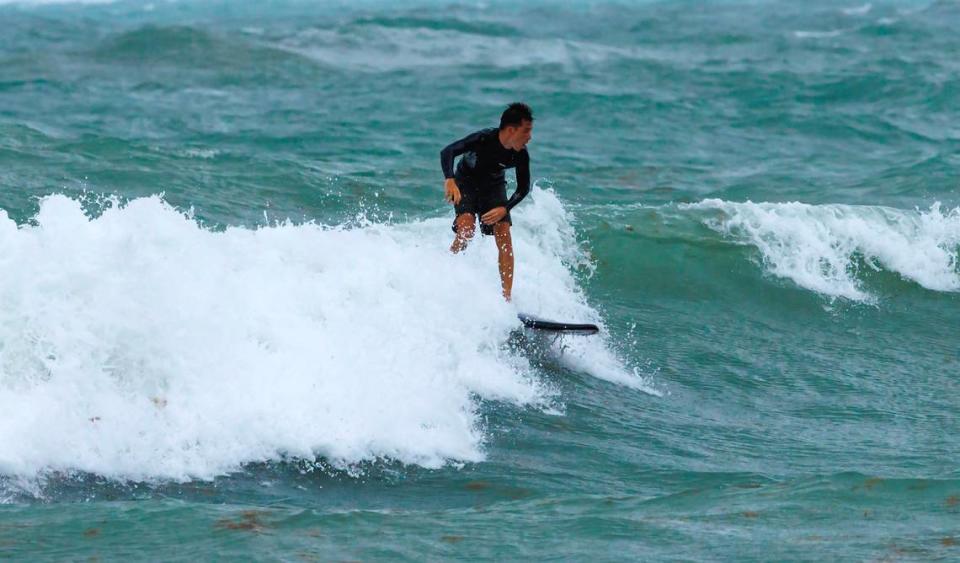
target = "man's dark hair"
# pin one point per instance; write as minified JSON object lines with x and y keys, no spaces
{"x":515,"y":114}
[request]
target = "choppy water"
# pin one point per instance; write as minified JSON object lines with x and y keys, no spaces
{"x":230,"y":326}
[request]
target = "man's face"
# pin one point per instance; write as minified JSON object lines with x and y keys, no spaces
{"x":520,"y":136}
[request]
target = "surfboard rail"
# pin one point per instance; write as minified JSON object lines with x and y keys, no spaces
{"x":537,"y":323}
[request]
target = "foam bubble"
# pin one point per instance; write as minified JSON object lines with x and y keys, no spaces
{"x":816,"y":246}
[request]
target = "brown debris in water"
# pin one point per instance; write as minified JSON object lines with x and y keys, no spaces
{"x":513,"y":493}
{"x":91,"y":532}
{"x":476,"y":485}
{"x":451,"y":539}
{"x":249,"y":520}
{"x":948,"y":542}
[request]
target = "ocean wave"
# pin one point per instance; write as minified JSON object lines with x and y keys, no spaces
{"x":481,"y":27}
{"x":139,"y":345}
{"x":375,"y":46}
{"x":187,"y":46}
{"x":823,"y":247}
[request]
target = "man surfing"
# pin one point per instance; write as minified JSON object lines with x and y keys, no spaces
{"x":479,"y":188}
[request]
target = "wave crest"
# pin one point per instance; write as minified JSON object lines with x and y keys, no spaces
{"x":819,"y":247}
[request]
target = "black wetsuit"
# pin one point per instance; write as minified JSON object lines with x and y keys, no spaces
{"x":479,"y":174}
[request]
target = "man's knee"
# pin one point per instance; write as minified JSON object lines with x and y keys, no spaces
{"x":466,"y":225}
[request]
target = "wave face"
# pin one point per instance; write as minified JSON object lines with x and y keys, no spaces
{"x":823,"y":248}
{"x":140,"y":345}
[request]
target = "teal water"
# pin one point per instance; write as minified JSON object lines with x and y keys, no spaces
{"x":230,"y":327}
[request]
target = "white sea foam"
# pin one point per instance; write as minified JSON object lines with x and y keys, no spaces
{"x":817,"y":246}
{"x":140,"y":345}
{"x":818,"y":34}
{"x":858,"y":10}
{"x":205,"y":154}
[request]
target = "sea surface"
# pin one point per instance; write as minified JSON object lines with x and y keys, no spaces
{"x":230,"y":325}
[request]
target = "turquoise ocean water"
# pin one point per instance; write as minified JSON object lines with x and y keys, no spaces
{"x":230,"y":326}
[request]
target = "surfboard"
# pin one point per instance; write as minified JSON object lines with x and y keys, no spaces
{"x":536,"y":323}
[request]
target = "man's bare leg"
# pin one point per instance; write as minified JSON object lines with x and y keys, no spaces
{"x":465,"y":223}
{"x":501,"y":231}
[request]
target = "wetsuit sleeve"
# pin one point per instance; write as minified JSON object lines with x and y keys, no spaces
{"x":455,"y":149}
{"x":523,"y":181}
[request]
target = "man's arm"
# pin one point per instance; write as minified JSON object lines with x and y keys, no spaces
{"x":523,"y":181}
{"x":455,"y":149}
{"x":523,"y":188}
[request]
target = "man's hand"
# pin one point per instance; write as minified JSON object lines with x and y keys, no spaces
{"x":452,"y":191}
{"x":494,"y":215}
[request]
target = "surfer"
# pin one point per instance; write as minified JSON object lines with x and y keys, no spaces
{"x":478,"y":186}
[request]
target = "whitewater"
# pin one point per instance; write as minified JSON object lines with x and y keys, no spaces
{"x":138,"y":344}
